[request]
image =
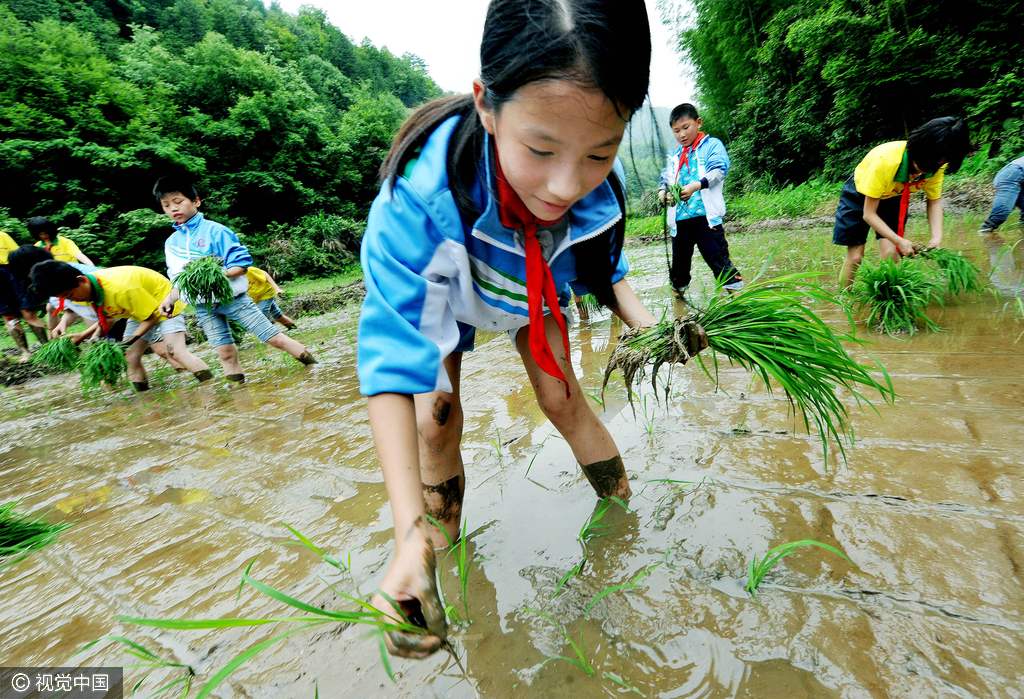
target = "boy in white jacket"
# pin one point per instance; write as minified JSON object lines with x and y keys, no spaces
{"x":695,"y":212}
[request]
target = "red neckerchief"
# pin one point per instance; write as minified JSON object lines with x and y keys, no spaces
{"x":905,"y":202}
{"x":684,"y":158}
{"x":59,"y":308}
{"x":540,"y":284}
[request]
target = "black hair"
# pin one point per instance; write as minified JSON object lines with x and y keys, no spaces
{"x":604,"y":44}
{"x":22,"y":258}
{"x":683,"y":111}
{"x":945,"y":137}
{"x":170,"y":184}
{"x":41,"y":224}
{"x":52,"y":278}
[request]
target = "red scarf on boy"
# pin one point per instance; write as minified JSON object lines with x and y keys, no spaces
{"x":684,"y":157}
{"x":540,"y":284}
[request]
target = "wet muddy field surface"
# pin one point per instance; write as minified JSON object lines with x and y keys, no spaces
{"x":176,"y":491}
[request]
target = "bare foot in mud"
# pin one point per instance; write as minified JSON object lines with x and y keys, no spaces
{"x":25,"y":358}
{"x":411,"y":582}
{"x":608,"y":478}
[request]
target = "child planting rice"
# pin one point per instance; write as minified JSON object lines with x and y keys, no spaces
{"x":877,"y":195}
{"x":124,"y":292}
{"x":263,"y":290}
{"x":491,"y":204}
{"x":197,"y":237}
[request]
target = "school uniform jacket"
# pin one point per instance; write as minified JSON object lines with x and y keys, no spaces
{"x":198,"y":237}
{"x":712,"y":166}
{"x":430,"y":277}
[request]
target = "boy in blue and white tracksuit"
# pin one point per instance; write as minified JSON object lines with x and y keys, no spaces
{"x":196,"y":236}
{"x":699,"y":167}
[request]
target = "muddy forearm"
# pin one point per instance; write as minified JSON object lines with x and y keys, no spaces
{"x":393,"y":423}
{"x":630,"y":308}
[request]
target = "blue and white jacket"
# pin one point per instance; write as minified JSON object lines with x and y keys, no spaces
{"x":198,"y":237}
{"x":429,"y":276}
{"x":712,"y":166}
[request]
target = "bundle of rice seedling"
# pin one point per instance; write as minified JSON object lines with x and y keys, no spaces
{"x":765,"y":329}
{"x":103,"y":362}
{"x":22,"y":534}
{"x":897,"y":295}
{"x":958,"y":271}
{"x":60,"y":354}
{"x":203,"y":281}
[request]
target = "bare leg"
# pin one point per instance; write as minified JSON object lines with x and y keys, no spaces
{"x":887,"y":250}
{"x":160,"y":349}
{"x":228,"y":355}
{"x":854,"y":256}
{"x":17,"y":332}
{"x":285,"y":321}
{"x":136,"y":372}
{"x":177,"y":353}
{"x":439,"y":423}
{"x":589,"y":439}
{"x":296,"y":349}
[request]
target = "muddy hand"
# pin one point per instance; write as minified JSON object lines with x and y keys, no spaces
{"x":696,"y":338}
{"x":411,"y":583}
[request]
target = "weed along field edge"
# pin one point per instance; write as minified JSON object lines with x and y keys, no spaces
{"x":703,"y":584}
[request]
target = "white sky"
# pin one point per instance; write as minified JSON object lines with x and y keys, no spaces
{"x":446,"y":35}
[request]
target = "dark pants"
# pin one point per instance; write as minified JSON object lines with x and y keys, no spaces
{"x":713,"y":248}
{"x":850,"y":229}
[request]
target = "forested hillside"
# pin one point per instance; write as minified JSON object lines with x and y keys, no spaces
{"x":280,"y":118}
{"x":804,"y":87}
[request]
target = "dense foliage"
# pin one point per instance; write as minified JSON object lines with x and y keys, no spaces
{"x":278,"y":116}
{"x":799,"y":88}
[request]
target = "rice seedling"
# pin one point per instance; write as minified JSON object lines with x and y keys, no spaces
{"x":539,"y":447}
{"x":622,"y":683}
{"x":462,"y":564}
{"x":591,"y":527}
{"x":152,"y":662}
{"x":364,"y":614}
{"x":580,"y":649}
{"x":60,"y":354}
{"x":766,"y":329}
{"x":589,"y":305}
{"x":960,"y":274}
{"x":103,"y":362}
{"x":897,"y":295}
{"x":345,"y":567}
{"x":678,"y":486}
{"x":203,"y":281}
{"x":21,"y":534}
{"x":760,"y":568}
{"x":497,"y":442}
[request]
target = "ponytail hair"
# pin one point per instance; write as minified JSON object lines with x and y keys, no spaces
{"x":601,"y":44}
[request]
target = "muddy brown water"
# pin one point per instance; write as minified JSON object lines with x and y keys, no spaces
{"x":176,"y":491}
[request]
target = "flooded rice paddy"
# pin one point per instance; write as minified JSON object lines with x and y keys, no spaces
{"x":176,"y":491}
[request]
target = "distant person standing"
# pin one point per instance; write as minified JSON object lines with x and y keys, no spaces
{"x":695,"y":214}
{"x":197,"y":236}
{"x":1009,"y":184}
{"x":62,"y":248}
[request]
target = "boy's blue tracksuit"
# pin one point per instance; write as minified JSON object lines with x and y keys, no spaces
{"x":698,"y":221}
{"x":431,"y":279}
{"x":199,"y":237}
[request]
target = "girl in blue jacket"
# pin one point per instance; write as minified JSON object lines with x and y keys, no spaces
{"x":491,"y":204}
